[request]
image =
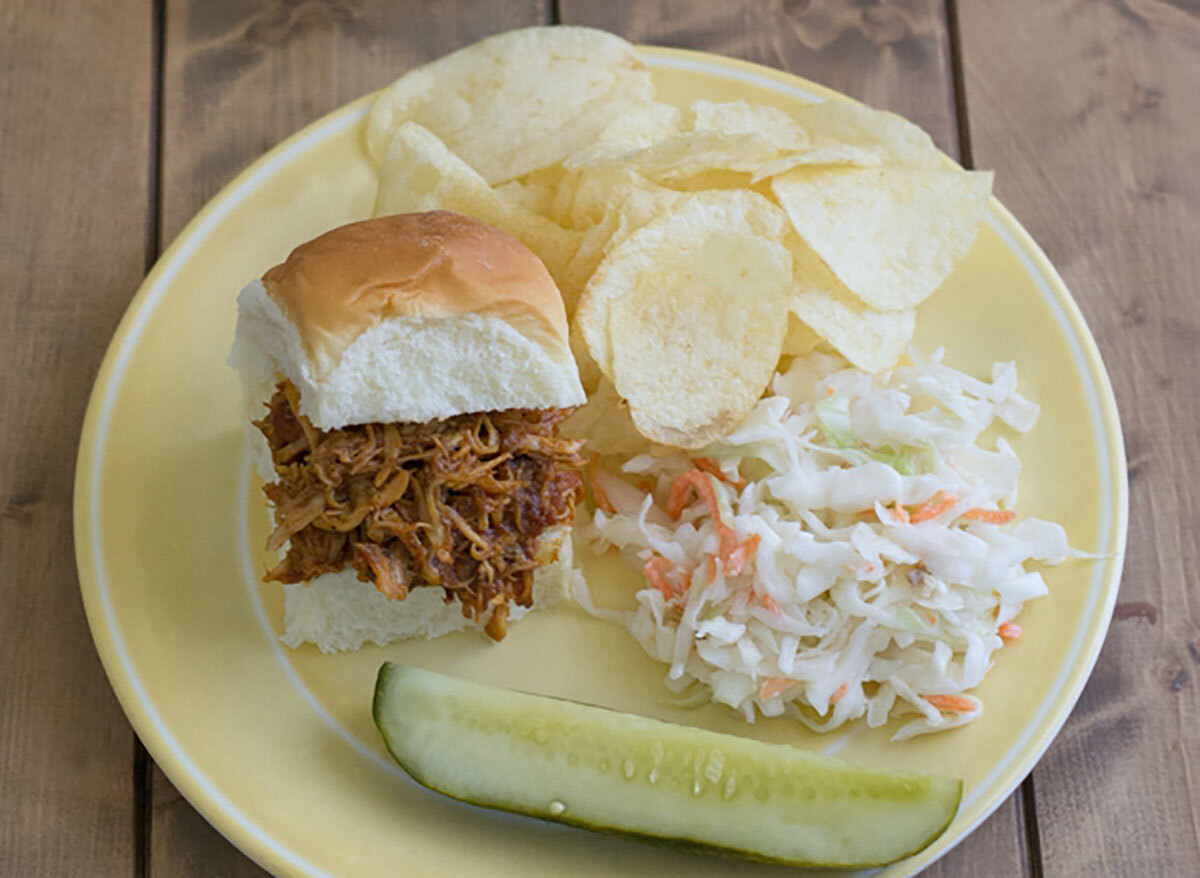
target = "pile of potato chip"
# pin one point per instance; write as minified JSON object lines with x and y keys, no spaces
{"x":693,"y":246}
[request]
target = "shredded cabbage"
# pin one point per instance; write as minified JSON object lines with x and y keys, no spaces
{"x":847,"y":552}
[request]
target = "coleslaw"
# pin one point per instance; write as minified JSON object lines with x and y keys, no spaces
{"x":849,"y":551}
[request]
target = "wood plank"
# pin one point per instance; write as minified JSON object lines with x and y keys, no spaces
{"x":892,"y":55}
{"x":240,"y":77}
{"x":74,"y":134}
{"x":1087,"y":111}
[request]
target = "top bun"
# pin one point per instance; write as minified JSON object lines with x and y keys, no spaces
{"x":411,"y":317}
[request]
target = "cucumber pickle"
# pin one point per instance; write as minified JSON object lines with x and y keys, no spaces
{"x":599,"y":769}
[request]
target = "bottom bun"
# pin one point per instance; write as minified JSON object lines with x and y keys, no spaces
{"x":338,"y":612}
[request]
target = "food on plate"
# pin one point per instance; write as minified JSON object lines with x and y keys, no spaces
{"x":419,"y":173}
{"x":870,"y":339}
{"x":414,"y":369}
{"x":556,"y":135}
{"x":849,"y":550}
{"x":713,"y":258}
{"x":518,"y":101}
{"x":891,"y":234}
{"x":687,"y":316}
{"x":600,"y":769}
{"x":888,"y":137}
{"x":639,"y":127}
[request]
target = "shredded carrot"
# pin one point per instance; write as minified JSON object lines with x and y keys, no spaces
{"x":991,"y":516}
{"x":680,"y":492}
{"x":900,"y":512}
{"x":1009,"y":631}
{"x":742,"y":555}
{"x":839,"y":694}
{"x":933,"y":507}
{"x":646,"y":486}
{"x":773,"y":686}
{"x":655,"y":571}
{"x":770,"y":603}
{"x":951,"y":703}
{"x":598,"y":492}
{"x":710,"y":568}
{"x":710,"y":466}
{"x":829,"y":390}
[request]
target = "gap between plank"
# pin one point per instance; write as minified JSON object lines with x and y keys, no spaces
{"x":154,"y":169}
{"x":1033,"y":842}
{"x":553,"y":13}
{"x":143,"y":767}
{"x":142,"y":776}
{"x":1033,"y":839}
{"x":958,"y":85}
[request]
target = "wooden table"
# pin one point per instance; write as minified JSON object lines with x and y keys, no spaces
{"x":119,"y":120}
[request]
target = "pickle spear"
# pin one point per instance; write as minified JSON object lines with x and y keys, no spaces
{"x":615,"y":772}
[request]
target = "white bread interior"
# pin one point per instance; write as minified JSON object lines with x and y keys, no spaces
{"x":468,"y":363}
{"x":337,"y":612}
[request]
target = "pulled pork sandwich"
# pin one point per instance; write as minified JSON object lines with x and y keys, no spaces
{"x":414,"y":370}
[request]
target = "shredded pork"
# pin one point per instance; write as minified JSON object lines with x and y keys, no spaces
{"x":459,"y":503}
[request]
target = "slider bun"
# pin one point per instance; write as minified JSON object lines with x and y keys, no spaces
{"x":338,"y":612}
{"x":412,"y":317}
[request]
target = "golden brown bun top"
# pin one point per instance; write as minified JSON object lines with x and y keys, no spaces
{"x":415,"y":265}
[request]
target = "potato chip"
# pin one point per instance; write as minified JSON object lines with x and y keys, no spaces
{"x":536,"y":192}
{"x":736,"y":137}
{"x":419,"y":173}
{"x":871,"y":340}
{"x":799,"y":338}
{"x":605,"y":423}
{"x":638,"y":128}
{"x":688,"y":220}
{"x":599,"y":190}
{"x":891,"y":234}
{"x":691,"y":152}
{"x":687,"y":316}
{"x":739,"y":117}
{"x":611,"y":204}
{"x":639,"y":209}
{"x":517,"y":101}
{"x":842,"y":123}
{"x":588,"y":256}
{"x":590,"y":375}
{"x":706,"y":180}
{"x":564,"y":199}
{"x":825,"y":155}
{"x":693,"y":353}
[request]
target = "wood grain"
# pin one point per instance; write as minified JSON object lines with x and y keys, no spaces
{"x":239,"y":78}
{"x":74,"y":137}
{"x":892,"y":55}
{"x":1087,"y":111}
{"x":242,"y":76}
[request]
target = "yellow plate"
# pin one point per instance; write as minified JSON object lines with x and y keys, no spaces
{"x":276,"y":748}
